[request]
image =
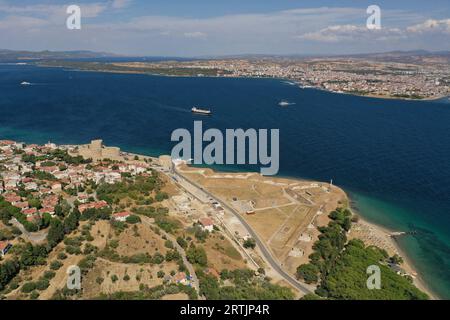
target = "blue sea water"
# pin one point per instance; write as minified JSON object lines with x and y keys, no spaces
{"x":391,"y":156}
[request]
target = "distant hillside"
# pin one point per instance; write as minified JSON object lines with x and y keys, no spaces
{"x":415,"y":56}
{"x":39,"y":55}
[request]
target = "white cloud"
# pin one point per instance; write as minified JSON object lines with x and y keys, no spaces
{"x":303,"y":30}
{"x":431,"y":26}
{"x":341,"y":33}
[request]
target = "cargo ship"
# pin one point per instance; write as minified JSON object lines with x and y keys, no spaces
{"x":196,"y":110}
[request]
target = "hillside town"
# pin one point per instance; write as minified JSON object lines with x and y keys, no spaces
{"x":424,"y":79}
{"x":100,"y":208}
{"x":37,"y":185}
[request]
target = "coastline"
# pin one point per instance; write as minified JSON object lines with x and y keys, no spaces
{"x":374,"y":96}
{"x":364,"y":228}
{"x":377,"y":232}
{"x":296,"y":82}
{"x":371,"y":229}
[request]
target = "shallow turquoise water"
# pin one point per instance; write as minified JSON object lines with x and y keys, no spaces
{"x":392,"y":156}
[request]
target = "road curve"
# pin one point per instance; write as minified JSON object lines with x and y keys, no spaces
{"x":30,"y":236}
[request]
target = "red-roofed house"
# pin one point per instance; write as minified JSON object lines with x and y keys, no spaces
{"x":12,"y":198}
{"x":180,"y":277}
{"x":29,"y":211}
{"x":7,"y":142}
{"x":50,"y":210}
{"x":83,"y":198}
{"x":50,"y":201}
{"x":207,"y":224}
{"x":21,"y":205}
{"x":56,"y":186}
{"x":92,"y":205}
{"x":121,"y":216}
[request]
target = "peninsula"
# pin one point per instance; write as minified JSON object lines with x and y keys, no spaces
{"x":400,"y":75}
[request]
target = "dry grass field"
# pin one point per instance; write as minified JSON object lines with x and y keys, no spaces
{"x":286,"y":211}
{"x":100,"y":279}
{"x":222,"y":254}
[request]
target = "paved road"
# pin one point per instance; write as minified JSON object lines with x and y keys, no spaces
{"x":30,"y":236}
{"x":265,"y":251}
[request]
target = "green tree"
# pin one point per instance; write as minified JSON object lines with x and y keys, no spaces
{"x":250,"y":243}
{"x":197,"y":255}
{"x":308,"y":272}
{"x":71,"y":222}
{"x":8,"y":270}
{"x":55,"y":233}
{"x":181,"y":242}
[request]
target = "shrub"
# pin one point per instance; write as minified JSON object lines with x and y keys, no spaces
{"x":168,"y":244}
{"x":28,"y":287}
{"x":133,"y":219}
{"x":48,"y":275}
{"x":42,"y":284}
{"x":55,"y":265}
{"x":34,"y":295}
{"x":62,"y":256}
{"x":158,"y":258}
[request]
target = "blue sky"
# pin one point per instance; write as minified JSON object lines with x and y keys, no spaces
{"x":223,"y":27}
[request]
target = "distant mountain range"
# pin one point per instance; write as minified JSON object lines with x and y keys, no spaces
{"x":44,"y":55}
{"x":402,"y":56}
{"x":389,"y":54}
{"x":394,"y":56}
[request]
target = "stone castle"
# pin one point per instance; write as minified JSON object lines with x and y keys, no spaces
{"x":97,"y":151}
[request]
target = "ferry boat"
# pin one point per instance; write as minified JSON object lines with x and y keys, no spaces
{"x":201,"y":111}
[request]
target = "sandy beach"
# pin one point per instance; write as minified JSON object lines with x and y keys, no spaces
{"x":380,"y":236}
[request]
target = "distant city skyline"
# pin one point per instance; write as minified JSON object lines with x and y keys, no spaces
{"x":213,"y":28}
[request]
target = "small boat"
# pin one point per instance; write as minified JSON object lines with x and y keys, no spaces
{"x":201,"y":111}
{"x":24,"y":83}
{"x":284,"y":103}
